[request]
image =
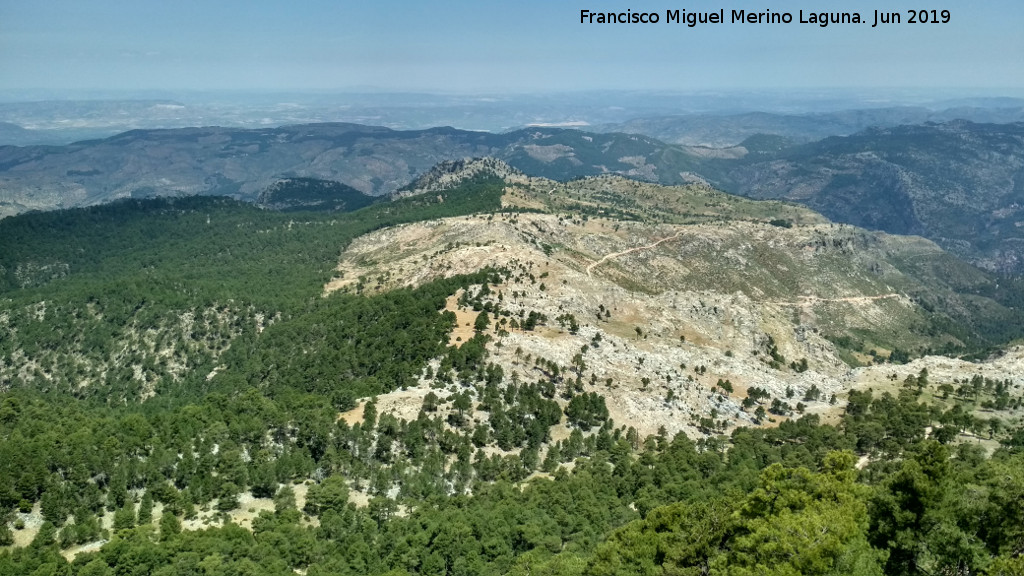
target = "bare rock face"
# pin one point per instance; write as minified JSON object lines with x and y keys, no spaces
{"x":674,"y":323}
{"x":451,"y":173}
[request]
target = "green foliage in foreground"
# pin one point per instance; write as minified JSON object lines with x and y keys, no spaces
{"x":957,"y":511}
{"x":762,"y":501}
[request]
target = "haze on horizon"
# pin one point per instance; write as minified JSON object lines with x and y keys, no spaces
{"x":65,"y":46}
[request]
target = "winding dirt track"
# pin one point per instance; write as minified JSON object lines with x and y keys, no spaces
{"x":808,"y":300}
{"x":630,"y":251}
{"x":804,"y":301}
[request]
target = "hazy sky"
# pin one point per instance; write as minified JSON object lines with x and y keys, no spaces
{"x":492,"y":46}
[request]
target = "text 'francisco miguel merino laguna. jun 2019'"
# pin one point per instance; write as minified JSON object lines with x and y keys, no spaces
{"x":722,"y":16}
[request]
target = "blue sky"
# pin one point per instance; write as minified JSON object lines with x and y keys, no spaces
{"x":492,"y":46}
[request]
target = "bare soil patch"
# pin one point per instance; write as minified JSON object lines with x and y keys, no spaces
{"x":464,"y":319}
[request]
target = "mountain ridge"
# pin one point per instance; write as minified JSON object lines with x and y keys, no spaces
{"x":959,"y":183}
{"x":726,"y":130}
{"x":241,"y":162}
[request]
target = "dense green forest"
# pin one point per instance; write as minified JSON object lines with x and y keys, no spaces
{"x":311,"y":194}
{"x":239,"y":367}
{"x":762,"y":501}
{"x":186,"y":276}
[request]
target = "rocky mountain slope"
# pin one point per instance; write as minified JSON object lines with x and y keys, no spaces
{"x":678,"y":304}
{"x":746,"y":289}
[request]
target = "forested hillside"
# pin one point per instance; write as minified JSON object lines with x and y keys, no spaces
{"x":959,"y":184}
{"x":725,"y":130}
{"x":242,"y":163}
{"x":180,"y":396}
{"x":311,"y":194}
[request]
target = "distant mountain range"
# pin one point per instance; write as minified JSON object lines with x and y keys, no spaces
{"x":724,"y":130}
{"x":960,"y":184}
{"x":242,"y":162}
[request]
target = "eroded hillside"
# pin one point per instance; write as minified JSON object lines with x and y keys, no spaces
{"x":673,"y":303}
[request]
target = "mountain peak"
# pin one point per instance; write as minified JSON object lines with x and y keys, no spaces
{"x":451,"y":173}
{"x":290,"y":194}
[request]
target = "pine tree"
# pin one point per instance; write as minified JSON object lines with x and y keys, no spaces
{"x":146,"y":509}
